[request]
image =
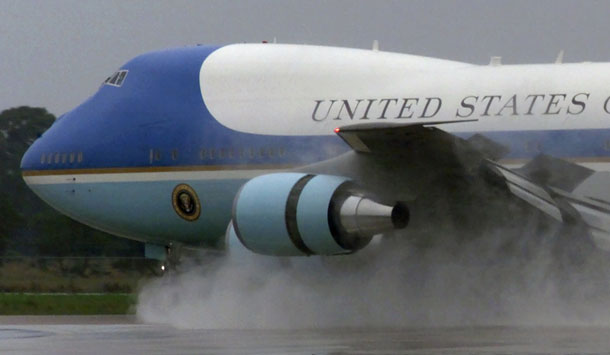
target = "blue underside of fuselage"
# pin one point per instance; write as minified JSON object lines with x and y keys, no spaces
{"x":157,"y":120}
{"x":143,"y":210}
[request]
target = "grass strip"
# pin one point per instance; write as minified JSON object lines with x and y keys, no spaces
{"x":66,"y":304}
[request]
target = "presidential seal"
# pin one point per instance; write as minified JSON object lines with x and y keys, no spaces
{"x":186,"y":203}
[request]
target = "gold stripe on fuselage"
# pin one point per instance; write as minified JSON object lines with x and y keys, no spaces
{"x":154,"y":169}
{"x":187,"y":168}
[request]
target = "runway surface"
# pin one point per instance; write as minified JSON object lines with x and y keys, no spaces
{"x":124,"y":335}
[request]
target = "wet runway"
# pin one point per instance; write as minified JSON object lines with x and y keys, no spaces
{"x":124,"y":335}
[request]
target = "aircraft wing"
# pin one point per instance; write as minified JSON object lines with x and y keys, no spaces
{"x":565,"y":191}
{"x":383,"y":138}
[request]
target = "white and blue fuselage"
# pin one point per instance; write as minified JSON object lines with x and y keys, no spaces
{"x":214,"y":117}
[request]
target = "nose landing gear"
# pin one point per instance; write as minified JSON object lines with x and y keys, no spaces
{"x":172,"y":258}
{"x":168,"y":256}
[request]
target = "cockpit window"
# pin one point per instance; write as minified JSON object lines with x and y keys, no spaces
{"x":117,"y":78}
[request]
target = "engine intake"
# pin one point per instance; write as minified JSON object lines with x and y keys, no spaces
{"x":291,"y":214}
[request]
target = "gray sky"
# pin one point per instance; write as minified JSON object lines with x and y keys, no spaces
{"x":55,"y":54}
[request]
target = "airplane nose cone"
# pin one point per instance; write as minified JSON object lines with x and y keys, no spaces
{"x":45,"y":163}
{"x":28,"y":160}
{"x":32,"y":159}
{"x":39,"y":156}
{"x":48,"y":153}
{"x":53,"y":150}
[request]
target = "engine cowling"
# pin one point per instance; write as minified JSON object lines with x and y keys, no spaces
{"x":291,"y":214}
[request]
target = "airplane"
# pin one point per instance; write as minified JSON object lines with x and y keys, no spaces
{"x":298,"y":150}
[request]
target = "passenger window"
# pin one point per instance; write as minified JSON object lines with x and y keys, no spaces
{"x":72,"y":155}
{"x":42,"y":158}
{"x":174,"y":154}
{"x":154,"y":155}
{"x":79,"y":158}
{"x":202,"y":154}
{"x":50,"y":158}
{"x":56,"y":158}
{"x":64,"y":158}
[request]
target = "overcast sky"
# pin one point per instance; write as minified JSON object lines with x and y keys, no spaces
{"x":55,"y":54}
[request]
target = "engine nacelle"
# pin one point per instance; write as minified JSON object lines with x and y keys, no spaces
{"x":291,"y":214}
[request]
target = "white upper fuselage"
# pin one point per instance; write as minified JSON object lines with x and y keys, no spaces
{"x":307,"y":90}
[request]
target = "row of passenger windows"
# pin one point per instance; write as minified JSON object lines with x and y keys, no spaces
{"x":61,"y":158}
{"x":174,"y":154}
{"x":223,"y":153}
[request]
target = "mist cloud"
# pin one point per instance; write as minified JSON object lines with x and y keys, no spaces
{"x":518,"y":276}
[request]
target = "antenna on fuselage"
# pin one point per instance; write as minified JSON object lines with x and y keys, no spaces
{"x":375,"y":45}
{"x":559,"y":59}
{"x":495,"y":61}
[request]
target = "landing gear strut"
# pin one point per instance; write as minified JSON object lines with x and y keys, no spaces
{"x":168,"y":256}
{"x":172,"y":258}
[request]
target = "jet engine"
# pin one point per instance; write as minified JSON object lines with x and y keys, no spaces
{"x":291,"y":214}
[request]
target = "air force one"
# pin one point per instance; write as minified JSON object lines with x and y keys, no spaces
{"x":308,"y":150}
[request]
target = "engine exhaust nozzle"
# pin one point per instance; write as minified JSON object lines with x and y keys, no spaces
{"x":363,"y":216}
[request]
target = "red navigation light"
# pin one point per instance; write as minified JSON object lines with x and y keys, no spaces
{"x":337,"y":130}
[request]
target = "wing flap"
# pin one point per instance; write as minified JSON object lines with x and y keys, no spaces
{"x":596,"y":214}
{"x":530,"y":192}
{"x":559,"y":173}
{"x":562,"y":205}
